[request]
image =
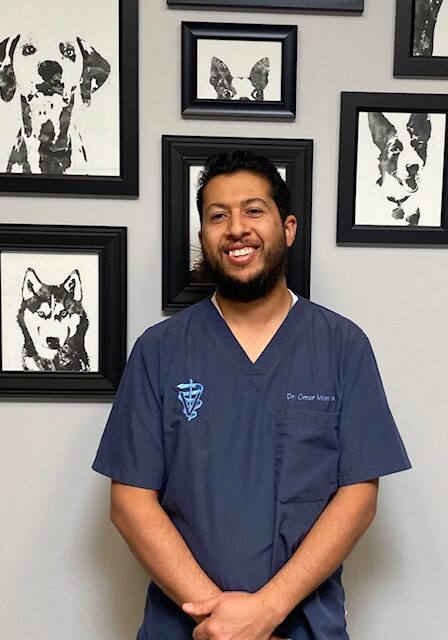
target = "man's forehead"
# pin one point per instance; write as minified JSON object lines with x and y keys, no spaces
{"x":253,"y":184}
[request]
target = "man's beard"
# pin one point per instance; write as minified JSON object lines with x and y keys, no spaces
{"x":258,"y":286}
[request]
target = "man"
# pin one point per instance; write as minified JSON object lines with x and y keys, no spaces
{"x":247,"y":436}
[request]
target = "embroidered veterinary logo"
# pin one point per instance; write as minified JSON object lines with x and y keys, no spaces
{"x":190,"y":396}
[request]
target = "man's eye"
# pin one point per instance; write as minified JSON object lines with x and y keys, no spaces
{"x":217,"y":216}
{"x":28,"y":49}
{"x":253,"y":211}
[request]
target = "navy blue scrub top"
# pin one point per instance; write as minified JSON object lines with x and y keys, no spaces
{"x":247,"y":455}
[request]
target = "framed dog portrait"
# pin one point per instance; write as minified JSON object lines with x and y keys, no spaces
{"x":62,"y":310}
{"x":239,"y":70}
{"x":421,"y":38}
{"x":69,"y":98}
{"x":393,"y":169}
{"x":183,"y":158}
{"x":309,"y":6}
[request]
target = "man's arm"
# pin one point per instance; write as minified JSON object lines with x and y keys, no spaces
{"x":158,"y":545}
{"x":327,"y":544}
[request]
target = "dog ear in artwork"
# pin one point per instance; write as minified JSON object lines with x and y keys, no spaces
{"x":221,"y":79}
{"x":419,"y":128}
{"x":95,"y":71}
{"x":259,"y":77}
{"x":8,"y":83}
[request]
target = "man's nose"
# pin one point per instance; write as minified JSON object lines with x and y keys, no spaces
{"x":237,"y":224}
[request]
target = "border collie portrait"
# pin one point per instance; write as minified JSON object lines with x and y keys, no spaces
{"x":402,"y":141}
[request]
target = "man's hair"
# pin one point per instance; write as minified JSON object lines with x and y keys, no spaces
{"x":241,"y":160}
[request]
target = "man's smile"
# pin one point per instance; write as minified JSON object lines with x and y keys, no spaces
{"x":240,"y":254}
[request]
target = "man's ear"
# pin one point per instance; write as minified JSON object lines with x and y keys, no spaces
{"x":290,"y":227}
{"x":95,"y":71}
{"x":8,"y":83}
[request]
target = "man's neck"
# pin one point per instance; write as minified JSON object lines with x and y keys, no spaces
{"x":271,"y":308}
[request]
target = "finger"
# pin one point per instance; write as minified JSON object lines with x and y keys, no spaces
{"x":200,"y":608}
{"x":200,"y":633}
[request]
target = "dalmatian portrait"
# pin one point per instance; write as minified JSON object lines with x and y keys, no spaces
{"x":47,"y":78}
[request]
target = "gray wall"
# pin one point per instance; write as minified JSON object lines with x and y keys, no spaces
{"x":65,"y":572}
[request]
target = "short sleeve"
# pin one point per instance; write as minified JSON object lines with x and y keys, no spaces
{"x":131,"y":448}
{"x":369,"y":443}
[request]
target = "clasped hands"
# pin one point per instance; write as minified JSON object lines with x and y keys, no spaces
{"x":234,"y":615}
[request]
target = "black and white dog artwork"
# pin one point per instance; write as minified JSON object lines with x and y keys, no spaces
{"x":425,"y":20}
{"x":49,"y":75}
{"x":54,"y":323}
{"x":246,"y":87}
{"x":402,"y":140}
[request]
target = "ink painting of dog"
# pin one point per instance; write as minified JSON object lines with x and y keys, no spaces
{"x":53,"y":322}
{"x":426,"y":18}
{"x":393,"y":151}
{"x":245,"y":87}
{"x":49,"y":77}
{"x":231,"y":71}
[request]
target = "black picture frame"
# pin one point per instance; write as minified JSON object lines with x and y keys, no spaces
{"x":179,"y":153}
{"x":309,"y":6}
{"x":348,"y":231}
{"x":125,"y":184}
{"x":109,"y":243}
{"x":406,"y":61}
{"x":286,"y":35}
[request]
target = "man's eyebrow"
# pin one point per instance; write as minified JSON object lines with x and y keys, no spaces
{"x":243,"y":202}
{"x":252,"y":200}
{"x":217,"y":205}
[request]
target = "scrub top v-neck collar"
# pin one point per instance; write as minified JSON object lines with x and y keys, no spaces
{"x":276,"y":346}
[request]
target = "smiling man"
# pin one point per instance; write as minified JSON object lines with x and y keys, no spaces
{"x":247,"y":436}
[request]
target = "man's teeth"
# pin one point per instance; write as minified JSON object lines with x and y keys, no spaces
{"x":241,"y":252}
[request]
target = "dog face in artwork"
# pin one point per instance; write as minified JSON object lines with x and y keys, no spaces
{"x":229,"y":87}
{"x":49,"y":74}
{"x":402,"y":140}
{"x":53,"y":323}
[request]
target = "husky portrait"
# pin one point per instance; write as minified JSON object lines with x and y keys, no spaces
{"x":54,"y":323}
{"x":229,"y":87}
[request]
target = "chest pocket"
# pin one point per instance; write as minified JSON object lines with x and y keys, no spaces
{"x":306,"y":455}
